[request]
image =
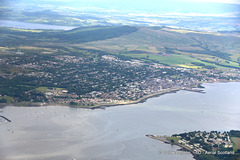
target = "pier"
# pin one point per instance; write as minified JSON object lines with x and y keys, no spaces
{"x":8,"y":120}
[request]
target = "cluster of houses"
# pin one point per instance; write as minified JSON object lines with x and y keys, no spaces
{"x":195,"y":141}
{"x":133,"y":91}
{"x":107,"y":85}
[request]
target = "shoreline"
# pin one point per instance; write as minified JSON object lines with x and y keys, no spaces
{"x":165,"y":140}
{"x":97,"y":106}
{"x":140,"y":100}
{"x":197,"y":88}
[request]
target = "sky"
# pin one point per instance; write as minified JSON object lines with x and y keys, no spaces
{"x":150,"y":1}
{"x":218,"y":1}
{"x":149,"y":6}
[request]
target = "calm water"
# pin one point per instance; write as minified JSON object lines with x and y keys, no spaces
{"x":16,"y":24}
{"x":64,"y":133}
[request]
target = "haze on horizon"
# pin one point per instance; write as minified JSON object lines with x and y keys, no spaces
{"x":149,"y":6}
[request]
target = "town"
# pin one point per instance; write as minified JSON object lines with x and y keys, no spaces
{"x":92,"y":81}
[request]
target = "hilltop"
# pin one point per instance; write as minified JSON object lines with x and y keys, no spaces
{"x":175,"y":47}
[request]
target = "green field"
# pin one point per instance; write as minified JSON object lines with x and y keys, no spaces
{"x":174,"y":47}
{"x":45,"y":89}
{"x":181,"y":48}
{"x":175,"y":139}
{"x":172,"y":60}
{"x":236,"y":143}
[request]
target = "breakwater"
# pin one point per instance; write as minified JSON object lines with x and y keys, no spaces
{"x":8,"y":120}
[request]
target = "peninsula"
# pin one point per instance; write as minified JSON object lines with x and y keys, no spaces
{"x":206,"y":145}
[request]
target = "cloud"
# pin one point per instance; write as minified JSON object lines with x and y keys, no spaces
{"x":174,"y":14}
{"x":157,"y":1}
{"x":202,"y":14}
{"x":3,"y":3}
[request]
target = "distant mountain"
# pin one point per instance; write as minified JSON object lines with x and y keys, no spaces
{"x":80,"y":35}
{"x":183,"y":14}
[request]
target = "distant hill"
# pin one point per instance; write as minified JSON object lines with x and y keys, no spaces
{"x":78,"y":35}
{"x":164,"y":44}
{"x":174,"y":47}
{"x":87,"y":34}
{"x":198,"y":15}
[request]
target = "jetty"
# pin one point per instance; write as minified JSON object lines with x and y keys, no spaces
{"x":8,"y":120}
{"x":194,"y":90}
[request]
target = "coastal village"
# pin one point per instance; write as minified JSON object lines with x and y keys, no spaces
{"x":202,"y":142}
{"x":107,"y":81}
{"x":195,"y":140}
